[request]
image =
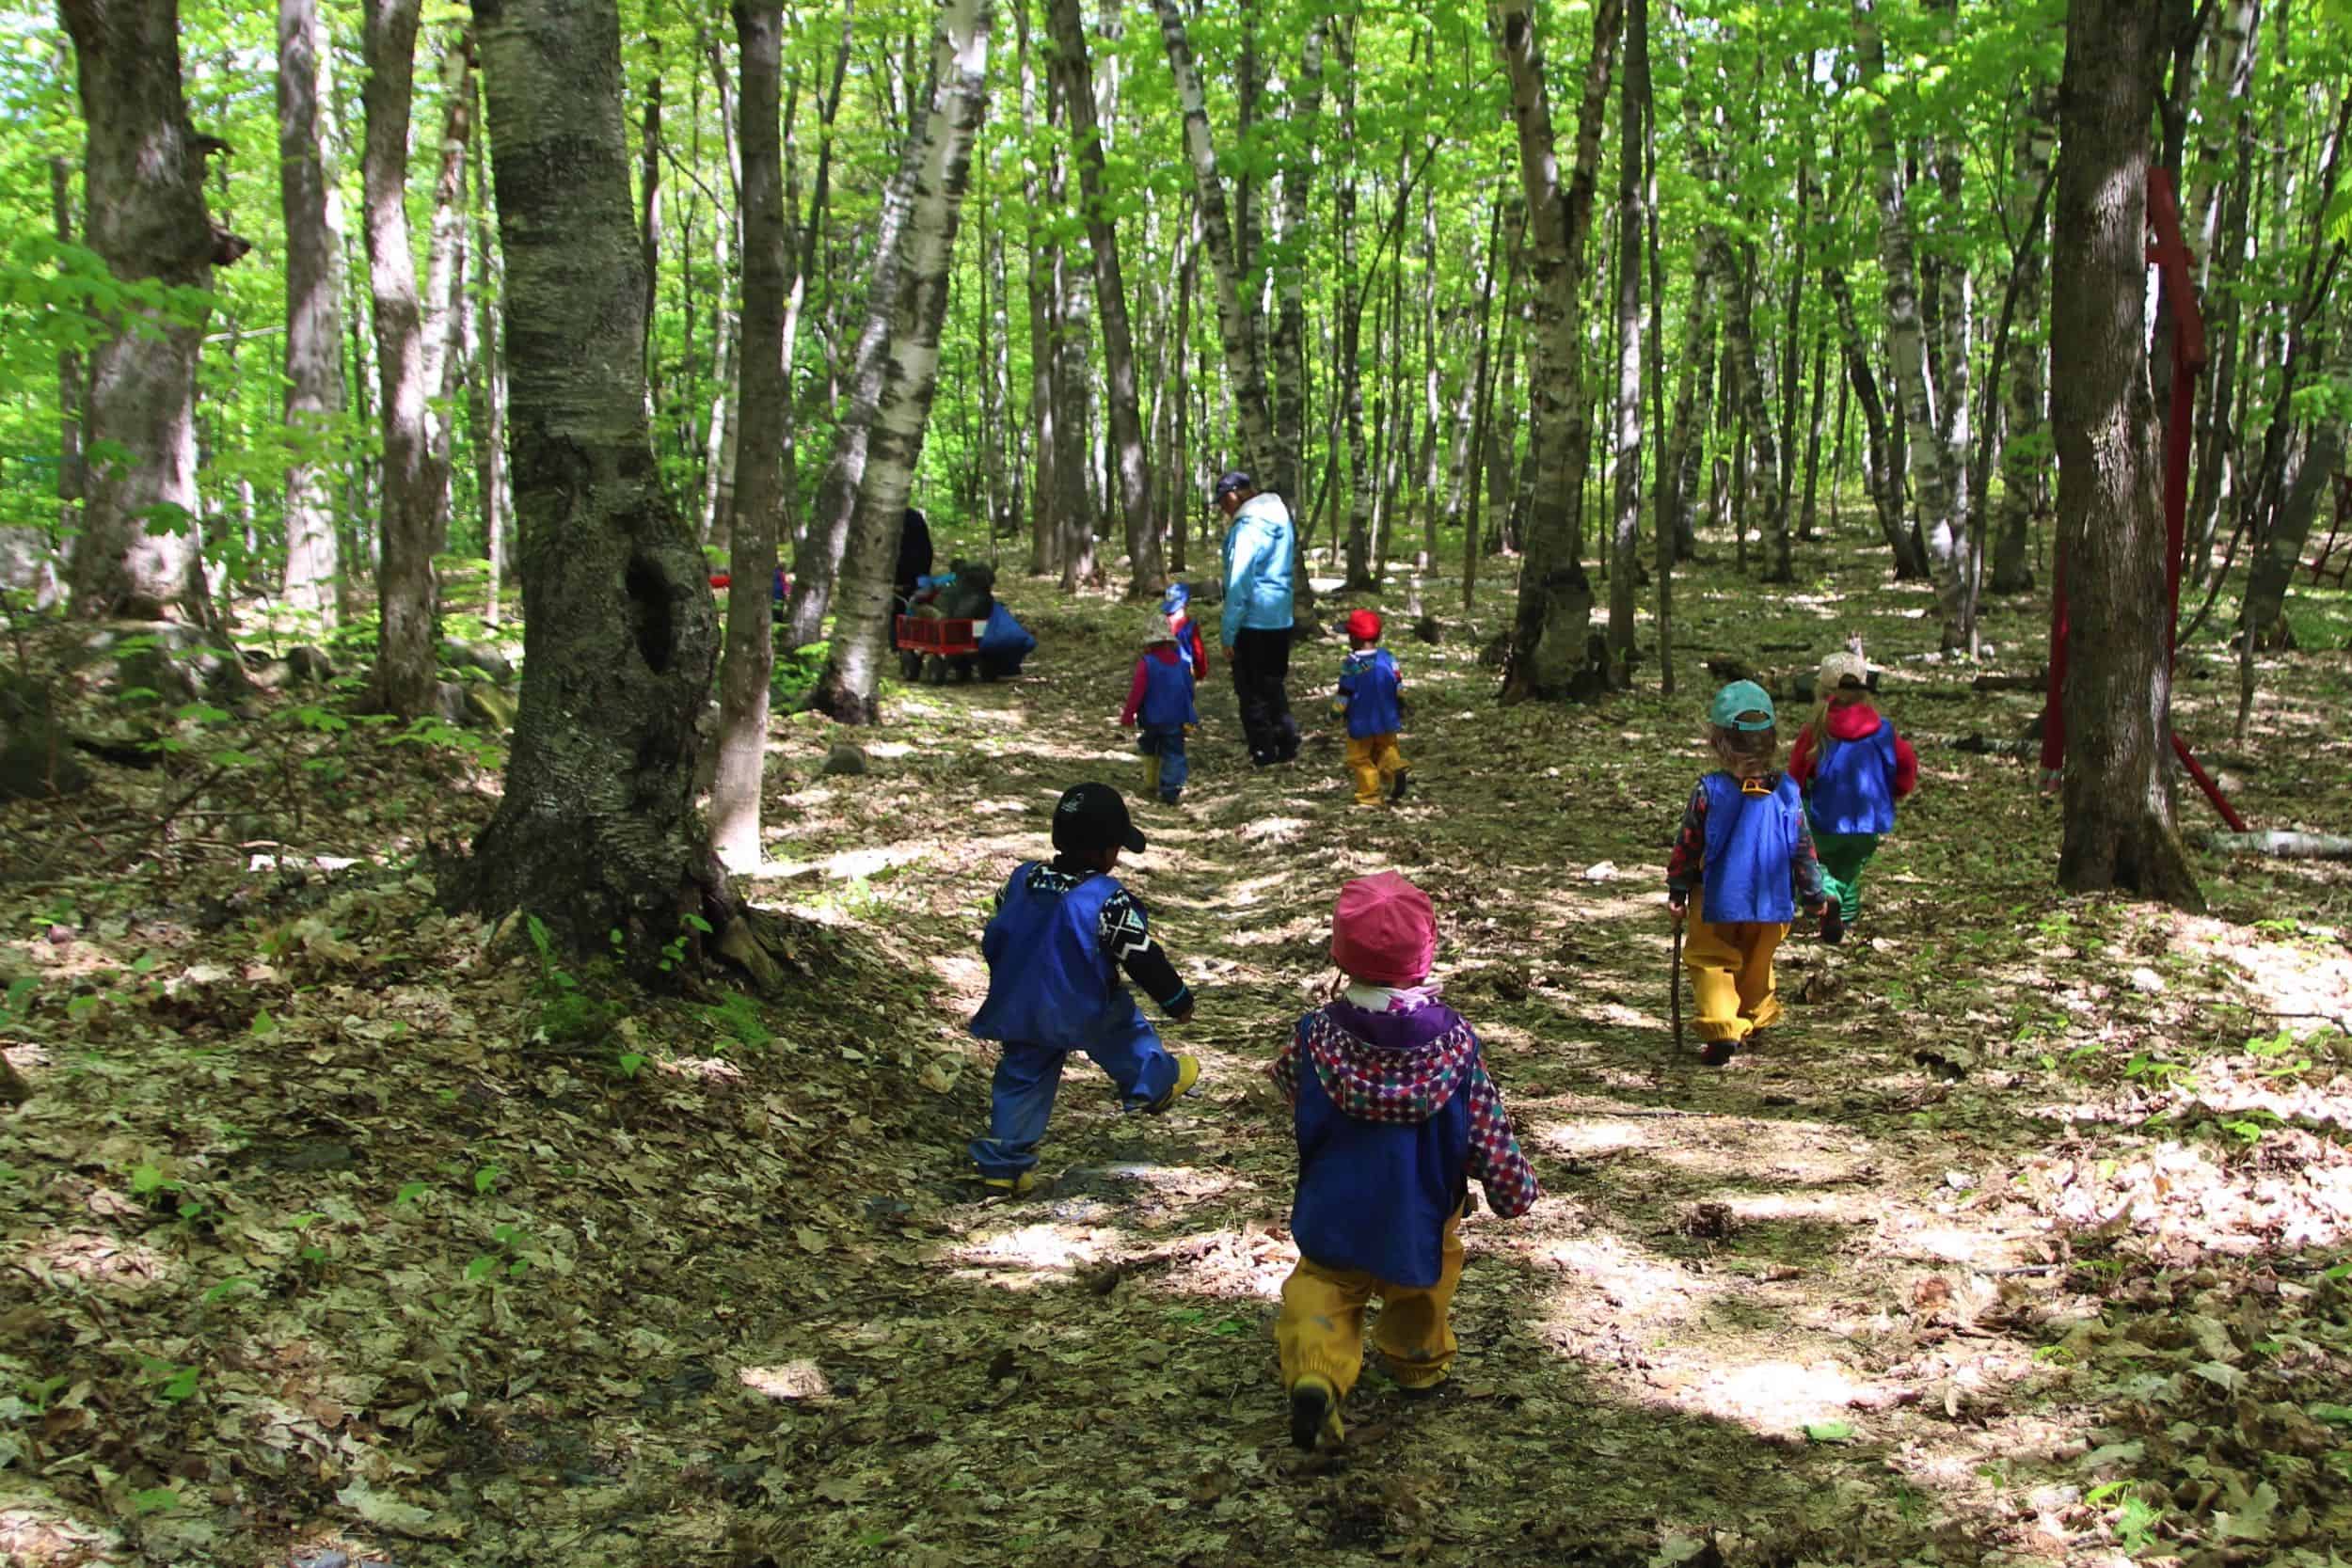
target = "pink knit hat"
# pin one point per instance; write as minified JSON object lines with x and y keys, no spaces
{"x":1383,"y":931}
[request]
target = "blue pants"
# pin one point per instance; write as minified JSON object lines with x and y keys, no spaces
{"x":1029,"y":1076}
{"x":1175,"y":768}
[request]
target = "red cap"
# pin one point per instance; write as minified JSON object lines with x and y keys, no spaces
{"x":1363,"y":626}
{"x":1384,"y":931}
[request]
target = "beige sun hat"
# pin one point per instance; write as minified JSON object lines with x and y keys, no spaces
{"x":1839,"y":668}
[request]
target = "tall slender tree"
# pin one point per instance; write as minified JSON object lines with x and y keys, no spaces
{"x":743,"y":680}
{"x":411,"y":503}
{"x":313,"y":362}
{"x":1633,"y":227}
{"x":1555,"y":601}
{"x":959,"y":69}
{"x":1129,"y":461}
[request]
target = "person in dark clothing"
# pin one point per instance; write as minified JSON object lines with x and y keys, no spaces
{"x":1256,"y":628}
{"x":914,"y":553}
{"x":1062,"y":933}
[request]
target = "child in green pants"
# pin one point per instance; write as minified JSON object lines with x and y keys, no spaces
{"x":1853,"y":769}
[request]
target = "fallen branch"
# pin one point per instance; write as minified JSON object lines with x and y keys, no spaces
{"x":2282,"y":846}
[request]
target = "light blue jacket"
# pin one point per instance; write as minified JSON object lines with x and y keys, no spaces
{"x":1258,"y":567}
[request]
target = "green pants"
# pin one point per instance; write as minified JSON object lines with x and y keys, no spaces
{"x":1843,"y":856}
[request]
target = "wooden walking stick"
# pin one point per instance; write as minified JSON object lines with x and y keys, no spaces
{"x":1674,"y":985}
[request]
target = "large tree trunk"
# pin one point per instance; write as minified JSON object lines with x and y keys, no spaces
{"x":1132,"y":467}
{"x":1071,"y":382}
{"x":1549,"y":632}
{"x":314,"y":365}
{"x":2120,"y":831}
{"x":1915,"y":385}
{"x":1632,"y":219}
{"x":1044,"y":328}
{"x":143,"y":176}
{"x":1678,"y":463}
{"x":862,"y":632}
{"x":2022,"y":464}
{"x":413,"y":482}
{"x":1236,"y":320}
{"x":743,"y":679}
{"x":597,"y":831}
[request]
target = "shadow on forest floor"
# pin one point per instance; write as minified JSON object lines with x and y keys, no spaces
{"x":2009,"y":1246}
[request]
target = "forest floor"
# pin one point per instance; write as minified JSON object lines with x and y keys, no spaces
{"x":338,"y":1230}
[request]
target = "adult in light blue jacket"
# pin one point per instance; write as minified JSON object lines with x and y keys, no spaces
{"x":1257,"y":621}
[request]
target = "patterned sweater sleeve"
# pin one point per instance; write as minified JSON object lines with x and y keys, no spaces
{"x":1495,"y":1158}
{"x":1126,"y":936}
{"x":1690,"y":852}
{"x":1284,"y":1069}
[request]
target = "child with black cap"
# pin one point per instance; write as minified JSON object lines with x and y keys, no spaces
{"x":1061,"y":933}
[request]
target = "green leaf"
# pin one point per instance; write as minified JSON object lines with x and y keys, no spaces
{"x":155,"y":1499}
{"x":180,"y":1385}
{"x":1830,"y":1431}
{"x":2334,"y":1414}
{"x":409,"y":1191}
{"x":485,"y":1179}
{"x":480,"y":1269}
{"x":263,"y":1026}
{"x":228,"y":1288}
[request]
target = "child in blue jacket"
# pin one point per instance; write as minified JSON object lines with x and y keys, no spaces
{"x":1062,"y":932}
{"x":1743,"y":841}
{"x":1372,"y":696}
{"x":1394,"y":1114}
{"x":1160,"y":706}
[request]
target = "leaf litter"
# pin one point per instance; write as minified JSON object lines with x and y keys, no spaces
{"x":336,"y":1232}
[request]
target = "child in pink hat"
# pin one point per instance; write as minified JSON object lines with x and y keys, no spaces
{"x":1395,"y":1112}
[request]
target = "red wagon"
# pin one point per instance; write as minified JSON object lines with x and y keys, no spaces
{"x":929,"y":635}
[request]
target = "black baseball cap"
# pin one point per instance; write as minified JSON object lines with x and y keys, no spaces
{"x":1092,"y":816}
{"x":1232,"y":480}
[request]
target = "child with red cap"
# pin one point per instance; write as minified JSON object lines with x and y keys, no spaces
{"x":1372,"y":696}
{"x":1394,"y":1114}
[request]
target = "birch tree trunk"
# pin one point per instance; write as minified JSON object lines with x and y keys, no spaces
{"x":1929,"y":459}
{"x":2120,"y":829}
{"x":819,"y":556}
{"x":743,"y":679}
{"x":313,"y":363}
{"x":1554,"y":613}
{"x":414,"y":482}
{"x":1236,"y":327}
{"x":862,"y":634}
{"x":596,"y":832}
{"x":1351,"y":388}
{"x":2022,"y":464}
{"x":1286,"y":475}
{"x":1632,"y":224}
{"x":445,"y":266}
{"x":143,"y":179}
{"x":1044,"y":329}
{"x":1124,"y":407}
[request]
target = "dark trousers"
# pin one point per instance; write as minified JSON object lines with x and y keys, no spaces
{"x":1261,"y":663}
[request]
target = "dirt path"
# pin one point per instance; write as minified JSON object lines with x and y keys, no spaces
{"x":1787,"y":1306}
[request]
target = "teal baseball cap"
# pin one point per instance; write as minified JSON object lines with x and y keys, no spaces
{"x":1741,"y":697}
